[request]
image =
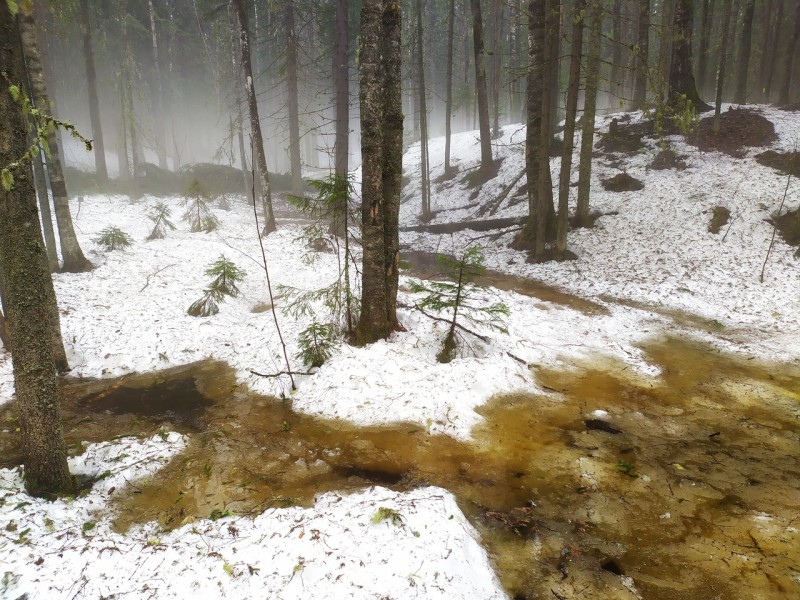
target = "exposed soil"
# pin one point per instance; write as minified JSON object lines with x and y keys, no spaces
{"x":625,"y":138}
{"x":789,"y":227}
{"x":740,"y":128}
{"x":623,"y":183}
{"x":719,"y":218}
{"x":784,"y":162}
{"x":668,"y":159}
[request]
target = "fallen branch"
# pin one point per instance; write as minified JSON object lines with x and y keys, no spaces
{"x":153,"y":275}
{"x":494,"y":205}
{"x":775,"y":225}
{"x":280,"y":373}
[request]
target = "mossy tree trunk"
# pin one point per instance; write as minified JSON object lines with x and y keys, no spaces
{"x":642,"y":52}
{"x":71,"y":253}
{"x":24,"y":269}
{"x":382,"y":167}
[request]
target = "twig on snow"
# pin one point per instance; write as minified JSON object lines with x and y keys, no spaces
{"x":153,"y":275}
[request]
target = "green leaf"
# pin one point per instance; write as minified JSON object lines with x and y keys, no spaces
{"x":7,"y":180}
{"x":13,"y":8}
{"x":14,"y":91}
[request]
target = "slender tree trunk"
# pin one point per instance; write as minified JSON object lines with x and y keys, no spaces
{"x":40,"y":179}
{"x":642,"y":51}
{"x":294,"y":109}
{"x":740,"y":96}
{"x":576,"y":51}
{"x":775,"y":45}
{"x":341,"y":80}
{"x":767,"y":27}
{"x":706,"y":22}
{"x":91,"y":88}
{"x":373,"y":322}
{"x":681,"y":76}
{"x":791,"y":50}
{"x":238,"y":125}
{"x":665,"y":46}
{"x":448,"y":115}
{"x":255,"y":123}
{"x":554,"y":34}
{"x":545,"y":217}
{"x":74,"y":260}
{"x":616,"y":52}
{"x":497,"y":30}
{"x":157,"y":93}
{"x":122,"y":153}
{"x":589,"y":111}
{"x":480,"y":85}
{"x":423,"y":118}
{"x":723,"y":59}
{"x":24,"y":269}
{"x":392,"y":155}
{"x":537,"y":74}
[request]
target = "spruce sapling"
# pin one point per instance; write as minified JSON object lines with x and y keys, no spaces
{"x":160,"y":215}
{"x":226,"y":275}
{"x":198,"y":214}
{"x":113,"y":238}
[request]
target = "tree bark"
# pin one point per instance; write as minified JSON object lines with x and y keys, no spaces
{"x":767,"y":26}
{"x":91,"y":88}
{"x":589,"y":111}
{"x":791,"y":50}
{"x":642,"y":52}
{"x":480,"y":85}
{"x":294,"y":109}
{"x":774,"y":52}
{"x":373,"y":323}
{"x":74,"y":260}
{"x":255,"y":123}
{"x":682,"y":87}
{"x":40,"y":178}
{"x":665,"y":47}
{"x":392,"y":155}
{"x":157,"y":93}
{"x":616,"y":53}
{"x":448,"y":114}
{"x":576,"y":51}
{"x":423,"y":118}
{"x":537,"y":75}
{"x":740,"y":96}
{"x":706,"y":22}
{"x":723,"y":59}
{"x":24,"y":268}
{"x":341,"y":81}
{"x":236,"y":74}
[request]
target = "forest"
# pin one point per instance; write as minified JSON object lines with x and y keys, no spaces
{"x":400,"y":299}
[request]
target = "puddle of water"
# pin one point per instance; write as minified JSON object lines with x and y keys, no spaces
{"x":689,"y":486}
{"x":425,"y":266}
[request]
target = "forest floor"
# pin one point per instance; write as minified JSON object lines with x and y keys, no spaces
{"x":660,"y":329}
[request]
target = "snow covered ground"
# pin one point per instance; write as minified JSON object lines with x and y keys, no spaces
{"x":129,"y":314}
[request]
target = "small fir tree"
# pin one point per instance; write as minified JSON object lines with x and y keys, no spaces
{"x":316,"y":344}
{"x":226,"y":277}
{"x":113,"y":238}
{"x":462,"y":297}
{"x":198,"y":214}
{"x":160,"y":215}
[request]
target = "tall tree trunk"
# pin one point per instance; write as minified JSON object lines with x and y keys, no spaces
{"x":91,"y":88}
{"x":642,"y":52}
{"x":341,"y":81}
{"x":537,"y":75}
{"x":373,"y":322}
{"x":238,"y":125}
{"x":294,"y":109}
{"x":423,"y":118}
{"x":497,"y":30}
{"x":767,"y":33}
{"x":255,"y":123}
{"x":665,"y":47}
{"x":706,"y":25}
{"x":723,"y":59}
{"x":392,"y":155}
{"x":448,"y":114}
{"x":74,"y":260}
{"x":589,"y":111}
{"x":157,"y":93}
{"x":576,"y":51}
{"x":775,"y":45}
{"x":123,"y":163}
{"x":553,"y":44}
{"x":24,"y":268}
{"x":545,"y":217}
{"x":740,"y":96}
{"x":791,"y":50}
{"x":617,"y":75}
{"x":681,"y":77}
{"x":480,"y":85}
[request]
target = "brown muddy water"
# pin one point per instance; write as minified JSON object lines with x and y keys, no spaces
{"x":689,"y":487}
